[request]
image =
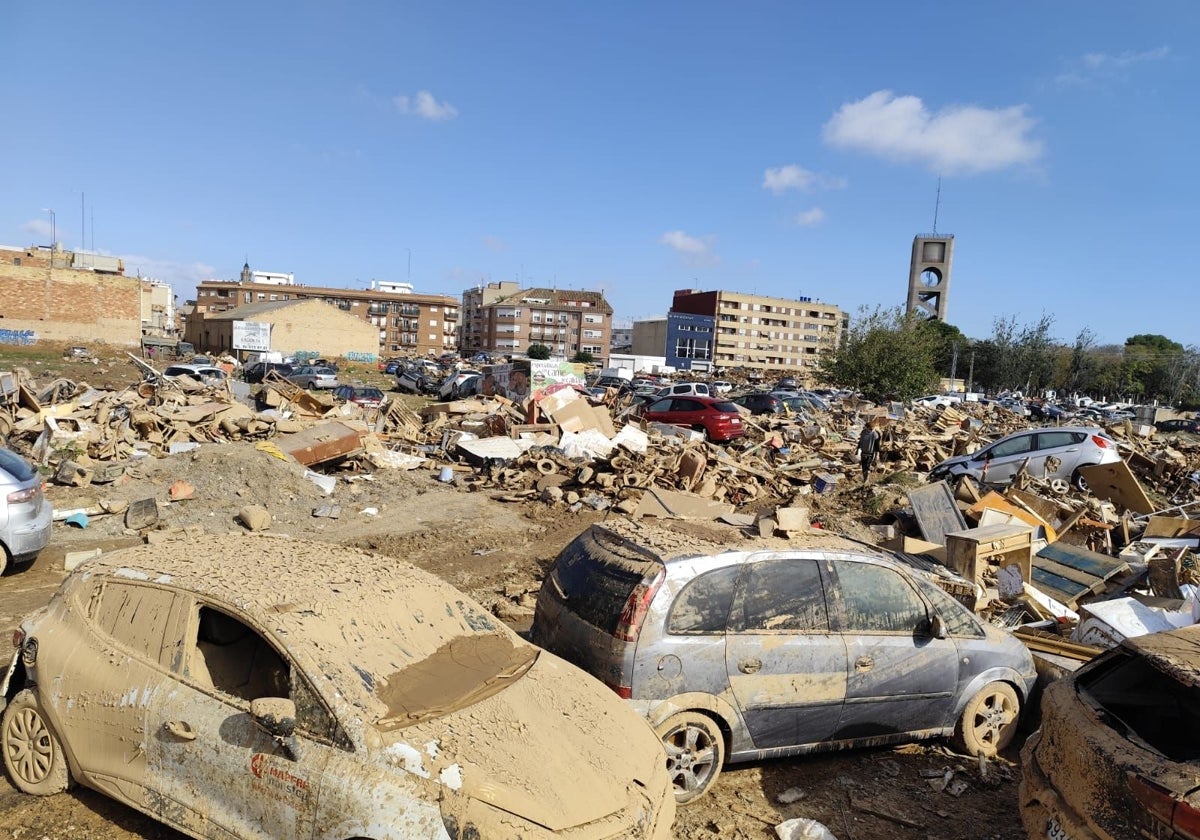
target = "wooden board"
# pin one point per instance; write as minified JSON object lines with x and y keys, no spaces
{"x":1117,"y":483}
{"x":936,"y":512}
{"x":1067,"y":573}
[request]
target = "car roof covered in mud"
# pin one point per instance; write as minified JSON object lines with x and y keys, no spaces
{"x":353,"y":617}
{"x":1175,"y":652}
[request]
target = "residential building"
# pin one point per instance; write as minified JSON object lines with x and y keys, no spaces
{"x":621,"y":340}
{"x":48,"y":293}
{"x":158,"y":309}
{"x":505,"y":319}
{"x":302,"y":325}
{"x":407,"y":324}
{"x":649,"y":337}
{"x":754,"y":332}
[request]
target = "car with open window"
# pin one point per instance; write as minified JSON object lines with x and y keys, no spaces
{"x":261,"y":687}
{"x":743,"y":652}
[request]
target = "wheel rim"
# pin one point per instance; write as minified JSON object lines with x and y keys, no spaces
{"x":691,"y":759}
{"x":30,"y":747}
{"x":993,"y":716}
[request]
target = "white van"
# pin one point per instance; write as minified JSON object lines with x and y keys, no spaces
{"x":684,"y":389}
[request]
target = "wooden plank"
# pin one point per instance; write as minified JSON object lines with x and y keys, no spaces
{"x":1058,"y":588}
{"x":1092,"y":562}
{"x":1082,"y":578}
{"x":936,"y":512}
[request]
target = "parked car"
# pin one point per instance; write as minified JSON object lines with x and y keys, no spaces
{"x":312,"y":376}
{"x":390,"y":366}
{"x":938,"y":400}
{"x":737,"y":654}
{"x":1179,"y":425}
{"x":254,"y":373}
{"x":1116,"y":754}
{"x":720,"y":387}
{"x":717,"y":419}
{"x":362,"y":395}
{"x":459,"y":384}
{"x":1046,"y":411}
{"x":207,"y":374}
{"x":1069,"y":447}
{"x":679,"y":389}
{"x":787,"y":383}
{"x":760,"y":402}
{"x":250,"y":688}
{"x":25,"y":515}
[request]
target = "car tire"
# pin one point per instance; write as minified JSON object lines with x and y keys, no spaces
{"x":695,"y":753}
{"x":988,"y":723}
{"x":1079,"y":482}
{"x":33,"y":754}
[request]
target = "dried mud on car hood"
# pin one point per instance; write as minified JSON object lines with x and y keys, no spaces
{"x":516,"y":749}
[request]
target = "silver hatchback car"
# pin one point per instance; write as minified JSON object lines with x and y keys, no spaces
{"x":25,"y":515}
{"x":1054,"y":452}
{"x":777,"y":648}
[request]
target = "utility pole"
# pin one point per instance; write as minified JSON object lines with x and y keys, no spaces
{"x":953,"y":363}
{"x":971,"y":372}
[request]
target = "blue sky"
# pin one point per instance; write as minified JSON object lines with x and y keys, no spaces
{"x":637,"y":148}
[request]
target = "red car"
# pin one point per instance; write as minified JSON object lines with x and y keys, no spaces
{"x":367,"y":397}
{"x":718,"y":419}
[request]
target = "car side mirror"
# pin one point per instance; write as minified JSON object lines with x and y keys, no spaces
{"x":277,"y":717}
{"x":937,"y":627}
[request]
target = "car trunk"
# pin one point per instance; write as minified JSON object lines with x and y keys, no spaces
{"x":587,"y":605}
{"x":1121,"y":741}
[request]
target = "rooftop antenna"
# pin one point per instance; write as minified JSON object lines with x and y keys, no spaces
{"x":936,"y":203}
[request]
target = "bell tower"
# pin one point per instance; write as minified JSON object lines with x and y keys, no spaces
{"x":929,"y":274}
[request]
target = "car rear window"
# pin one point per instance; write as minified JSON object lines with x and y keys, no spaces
{"x":595,"y":578}
{"x":1145,"y":704}
{"x":15,"y":465}
{"x":727,"y":407}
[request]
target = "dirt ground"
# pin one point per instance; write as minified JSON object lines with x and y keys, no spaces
{"x":497,"y":552}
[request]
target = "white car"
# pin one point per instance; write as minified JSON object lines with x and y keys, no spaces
{"x":938,"y":400}
{"x":722,"y":387}
{"x":261,"y":687}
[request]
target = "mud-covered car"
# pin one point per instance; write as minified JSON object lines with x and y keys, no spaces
{"x":1118,"y":752}
{"x":250,"y":687}
{"x":784,"y":648}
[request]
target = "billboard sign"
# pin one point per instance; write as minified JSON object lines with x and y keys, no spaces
{"x":251,"y":335}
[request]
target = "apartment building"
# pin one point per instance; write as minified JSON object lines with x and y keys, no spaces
{"x":507,"y":319}
{"x":723,"y":329}
{"x":409,"y":324}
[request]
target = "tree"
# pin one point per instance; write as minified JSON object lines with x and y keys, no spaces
{"x":886,"y":355}
{"x":538,"y":351}
{"x":583,"y":357}
{"x":948,"y":338}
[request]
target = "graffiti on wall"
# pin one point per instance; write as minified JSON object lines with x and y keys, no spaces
{"x":22,"y":337}
{"x":357,"y":356}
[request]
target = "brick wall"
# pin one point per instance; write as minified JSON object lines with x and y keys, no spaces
{"x":70,"y":305}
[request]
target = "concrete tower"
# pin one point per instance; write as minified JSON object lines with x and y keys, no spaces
{"x":929,"y":274}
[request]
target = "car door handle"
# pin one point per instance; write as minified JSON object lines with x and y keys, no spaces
{"x":750,"y":666}
{"x":864,"y":663}
{"x":180,"y":729}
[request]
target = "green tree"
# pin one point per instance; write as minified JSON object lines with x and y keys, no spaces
{"x":886,"y":355}
{"x":947,"y":339}
{"x":538,"y":351}
{"x":583,"y":357}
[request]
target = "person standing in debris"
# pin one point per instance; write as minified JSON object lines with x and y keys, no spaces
{"x":868,"y":448}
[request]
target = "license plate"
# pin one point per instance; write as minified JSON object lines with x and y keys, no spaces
{"x":1054,"y":831}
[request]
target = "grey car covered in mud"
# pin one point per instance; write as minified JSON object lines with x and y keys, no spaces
{"x":250,"y":687}
{"x":777,"y":649}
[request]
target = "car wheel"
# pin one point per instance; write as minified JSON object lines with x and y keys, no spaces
{"x":989,"y":721}
{"x":33,"y":755}
{"x":695,"y":752}
{"x":1080,"y":482}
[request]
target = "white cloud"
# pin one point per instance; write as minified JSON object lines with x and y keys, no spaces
{"x":957,"y":139}
{"x":810,"y":217}
{"x":183,"y":277}
{"x":1093,"y":68}
{"x":694,"y":250}
{"x":779,"y":179}
{"x":424,"y":105}
{"x":39,"y":228}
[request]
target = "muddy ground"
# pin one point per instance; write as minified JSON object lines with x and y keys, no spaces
{"x":496,"y":551}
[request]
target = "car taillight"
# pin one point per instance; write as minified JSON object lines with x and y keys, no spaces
{"x":18,"y":637}
{"x":1101,"y":441}
{"x":1163,"y":806}
{"x":630,"y":623}
{"x":625,"y":692}
{"x":26,"y":495}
